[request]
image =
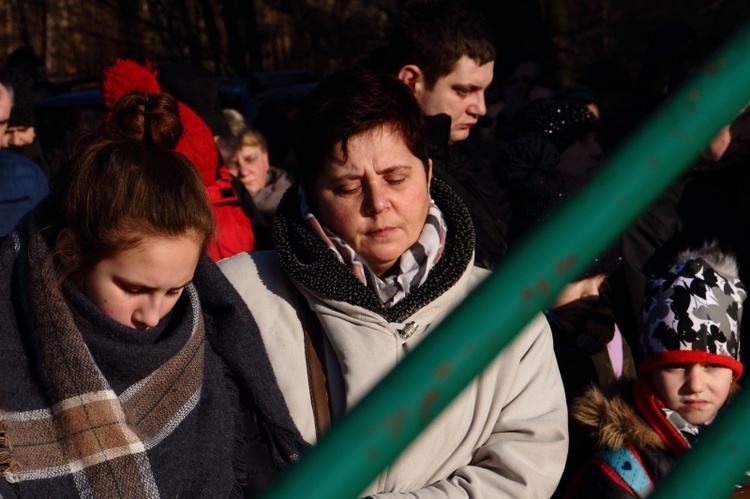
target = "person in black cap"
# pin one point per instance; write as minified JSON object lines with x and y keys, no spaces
{"x":22,"y":183}
{"x":20,"y":135}
{"x":571,"y":127}
{"x":588,"y":344}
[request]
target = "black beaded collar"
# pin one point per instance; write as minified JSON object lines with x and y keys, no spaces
{"x":309,"y":261}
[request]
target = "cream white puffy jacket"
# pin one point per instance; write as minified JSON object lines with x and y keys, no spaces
{"x":505,"y":435}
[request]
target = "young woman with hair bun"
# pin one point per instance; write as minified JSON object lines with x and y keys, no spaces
{"x":108,"y":385}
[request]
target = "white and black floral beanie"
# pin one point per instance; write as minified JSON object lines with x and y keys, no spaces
{"x":692,"y":313}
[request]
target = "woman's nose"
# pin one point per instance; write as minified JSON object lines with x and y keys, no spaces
{"x":147,"y":315}
{"x":376,"y":199}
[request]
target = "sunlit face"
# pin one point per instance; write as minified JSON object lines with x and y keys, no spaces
{"x":578,"y":297}
{"x":594,"y":110}
{"x":377,"y":199}
{"x":696,"y":391}
{"x":460,"y":95}
{"x":18,"y":136}
{"x":582,"y":156}
{"x":251,"y":167}
{"x":137,"y":287}
{"x":5,"y":105}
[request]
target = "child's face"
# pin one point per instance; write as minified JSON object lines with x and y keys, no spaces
{"x":576,"y":298}
{"x":696,"y":391}
{"x":138,"y":286}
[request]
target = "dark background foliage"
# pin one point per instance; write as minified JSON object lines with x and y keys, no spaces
{"x":76,"y":38}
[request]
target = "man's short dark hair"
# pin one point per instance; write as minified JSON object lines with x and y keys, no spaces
{"x":435,"y":35}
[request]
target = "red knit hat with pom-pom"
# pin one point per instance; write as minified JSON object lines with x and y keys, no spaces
{"x":197,"y":141}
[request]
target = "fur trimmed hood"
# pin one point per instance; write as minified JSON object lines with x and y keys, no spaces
{"x":611,"y":421}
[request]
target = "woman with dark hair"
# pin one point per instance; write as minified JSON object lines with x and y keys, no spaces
{"x":371,"y":252}
{"x":108,"y":386}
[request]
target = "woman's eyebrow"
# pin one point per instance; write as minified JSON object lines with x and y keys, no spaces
{"x":130,"y":284}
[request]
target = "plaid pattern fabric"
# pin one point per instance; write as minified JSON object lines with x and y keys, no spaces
{"x":88,"y":432}
{"x":101,"y":438}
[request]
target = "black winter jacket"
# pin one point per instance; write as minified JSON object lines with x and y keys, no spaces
{"x":468,"y":168}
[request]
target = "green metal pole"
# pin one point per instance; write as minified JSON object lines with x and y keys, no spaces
{"x":360,"y":446}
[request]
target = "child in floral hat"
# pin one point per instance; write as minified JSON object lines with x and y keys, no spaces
{"x":690,"y":339}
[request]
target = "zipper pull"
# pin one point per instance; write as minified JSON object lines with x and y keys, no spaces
{"x":409,"y":329}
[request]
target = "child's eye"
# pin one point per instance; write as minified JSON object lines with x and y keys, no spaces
{"x":130,"y":291}
{"x":174,"y":292}
{"x":674,"y":367}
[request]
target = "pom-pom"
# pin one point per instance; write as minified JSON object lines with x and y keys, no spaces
{"x":127,"y":76}
{"x":197,"y":144}
{"x":197,"y":141}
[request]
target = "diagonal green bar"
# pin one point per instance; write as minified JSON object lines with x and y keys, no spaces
{"x":361,"y":445}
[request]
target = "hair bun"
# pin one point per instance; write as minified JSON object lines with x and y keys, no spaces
{"x":151,"y":118}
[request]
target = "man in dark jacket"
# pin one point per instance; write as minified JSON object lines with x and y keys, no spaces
{"x":444,"y":52}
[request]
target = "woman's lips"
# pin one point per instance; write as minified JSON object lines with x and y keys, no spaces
{"x":382,"y":232}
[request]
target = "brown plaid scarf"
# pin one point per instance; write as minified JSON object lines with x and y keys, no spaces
{"x":72,"y":428}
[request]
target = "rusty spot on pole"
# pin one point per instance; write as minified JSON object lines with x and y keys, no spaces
{"x":396,"y":422}
{"x":544,"y":287}
{"x":371,"y":454}
{"x":564,"y":266}
{"x":654,"y":163}
{"x":427,"y":402}
{"x":443,"y":370}
{"x":527,"y":294}
{"x":715,"y":67}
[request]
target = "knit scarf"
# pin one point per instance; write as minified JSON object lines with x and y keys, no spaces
{"x":412,"y":267}
{"x":91,"y":408}
{"x":651,"y":405}
{"x":688,"y":431}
